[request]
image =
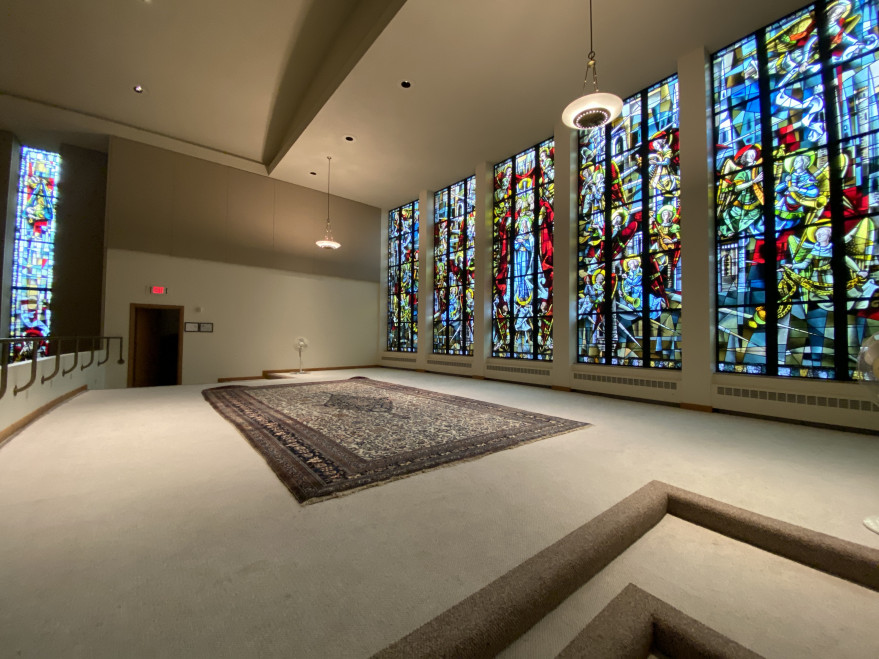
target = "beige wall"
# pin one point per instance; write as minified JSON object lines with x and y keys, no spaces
{"x":257,"y":314}
{"x":167,"y":203}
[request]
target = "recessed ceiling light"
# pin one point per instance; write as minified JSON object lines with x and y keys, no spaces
{"x":138,"y":89}
{"x":349,"y":138}
{"x":405,"y":84}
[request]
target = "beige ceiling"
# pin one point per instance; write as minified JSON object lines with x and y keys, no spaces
{"x":275,"y":85}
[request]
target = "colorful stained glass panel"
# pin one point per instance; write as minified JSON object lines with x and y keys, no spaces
{"x":802,"y":189}
{"x":818,"y":265}
{"x":629,"y":290}
{"x":791,"y":49}
{"x":741,"y":340}
{"x":626,"y":179}
{"x":34,"y":251}
{"x":402,"y":334}
{"x":625,"y":131}
{"x":741,"y":272}
{"x":454,"y":236}
{"x":522,"y":255}
{"x":735,"y":74}
{"x":856,"y":102}
{"x":798,"y":116}
{"x":859,"y":165}
{"x":737,"y":132}
{"x":31,"y":316}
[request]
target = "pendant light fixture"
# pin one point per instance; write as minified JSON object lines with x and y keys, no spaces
{"x":596,"y":109}
{"x":328,"y":242}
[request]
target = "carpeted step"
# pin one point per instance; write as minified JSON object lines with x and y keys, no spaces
{"x":636,"y":625}
{"x":492,"y":618}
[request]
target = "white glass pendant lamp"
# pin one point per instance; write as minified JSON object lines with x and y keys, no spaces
{"x":595,"y":109}
{"x":327,"y":241}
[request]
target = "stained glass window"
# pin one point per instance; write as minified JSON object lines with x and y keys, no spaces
{"x":454,"y":232}
{"x":522,"y":254}
{"x":33,"y":257}
{"x":796,"y":120}
{"x":629,"y":286}
{"x":403,"y":278}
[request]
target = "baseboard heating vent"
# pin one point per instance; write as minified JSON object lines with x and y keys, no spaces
{"x":517,"y":369}
{"x":442,"y":362}
{"x":410,"y":360}
{"x":799,"y":399}
{"x":631,"y":382}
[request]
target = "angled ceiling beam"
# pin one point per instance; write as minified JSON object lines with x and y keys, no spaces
{"x":334,"y":36}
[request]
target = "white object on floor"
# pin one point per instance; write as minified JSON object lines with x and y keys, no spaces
{"x":872,"y":523}
{"x":301,"y":344}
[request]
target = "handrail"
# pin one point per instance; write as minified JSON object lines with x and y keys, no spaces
{"x":75,"y":358}
{"x":34,"y":354}
{"x":92,"y":360}
{"x":44,"y":379}
{"x":120,"y":361}
{"x":106,"y":358}
{"x":5,"y":344}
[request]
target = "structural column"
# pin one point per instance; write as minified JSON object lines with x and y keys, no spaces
{"x":482,"y":272}
{"x":10,"y":158}
{"x":383,"y":285}
{"x":564,"y":332}
{"x":425,"y":278}
{"x":697,"y":231}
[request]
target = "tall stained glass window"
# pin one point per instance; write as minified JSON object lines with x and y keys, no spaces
{"x":796,"y":119}
{"x":34,"y":250}
{"x":454,"y":232}
{"x":403,"y":278}
{"x":522,"y":254}
{"x":629,"y":285}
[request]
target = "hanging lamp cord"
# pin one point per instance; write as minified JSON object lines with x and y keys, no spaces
{"x":590,"y":62}
{"x":329,"y":167}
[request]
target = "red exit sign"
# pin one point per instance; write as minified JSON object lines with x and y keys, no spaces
{"x":158,"y":290}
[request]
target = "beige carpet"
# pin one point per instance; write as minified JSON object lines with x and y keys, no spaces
{"x":139,"y":523}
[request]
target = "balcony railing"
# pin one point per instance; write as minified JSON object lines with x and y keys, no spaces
{"x":91,"y":343}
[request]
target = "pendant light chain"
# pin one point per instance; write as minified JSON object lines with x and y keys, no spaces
{"x":590,"y":61}
{"x":328,"y":242}
{"x":593,"y":109}
{"x":329,"y":167}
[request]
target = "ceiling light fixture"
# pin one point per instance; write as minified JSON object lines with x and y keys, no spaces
{"x":405,"y":84}
{"x":328,"y":242}
{"x":349,"y":138}
{"x":138,"y":89}
{"x":596,"y":109}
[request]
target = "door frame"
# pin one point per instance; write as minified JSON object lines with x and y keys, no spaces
{"x":133,"y":307}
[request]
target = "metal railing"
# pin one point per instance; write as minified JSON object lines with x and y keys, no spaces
{"x":93,"y":344}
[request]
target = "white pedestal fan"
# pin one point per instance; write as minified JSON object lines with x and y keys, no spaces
{"x":301,"y":344}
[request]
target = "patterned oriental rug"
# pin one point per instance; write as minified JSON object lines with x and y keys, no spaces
{"x":327,"y":438}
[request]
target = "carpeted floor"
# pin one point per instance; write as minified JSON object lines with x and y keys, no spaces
{"x":140,"y":523}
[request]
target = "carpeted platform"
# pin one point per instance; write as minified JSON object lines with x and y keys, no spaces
{"x":492,"y":618}
{"x":323,"y":439}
